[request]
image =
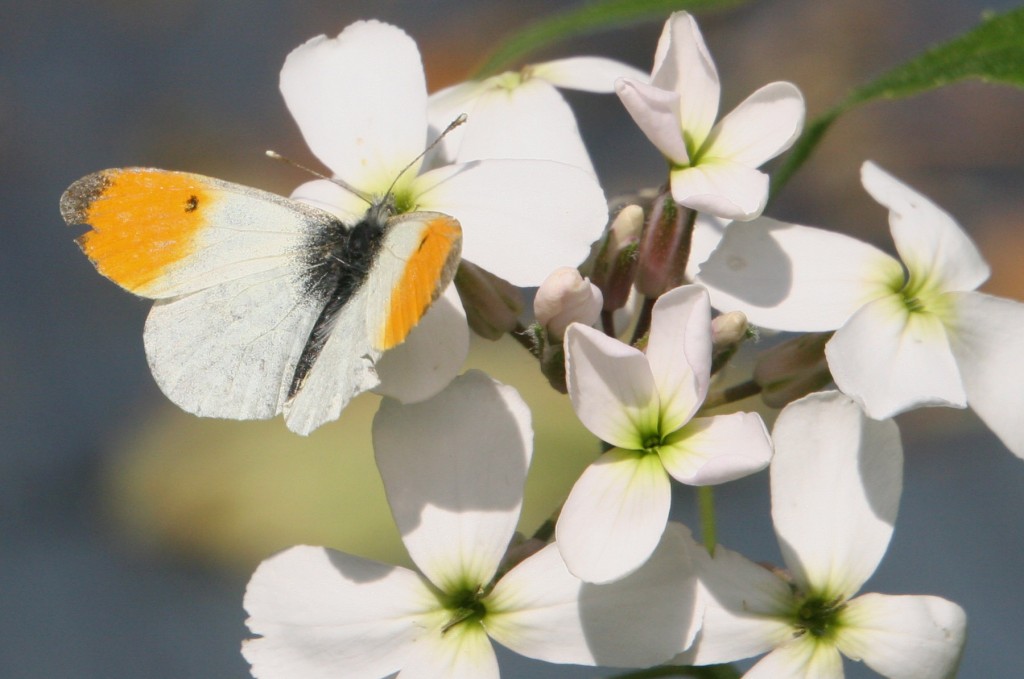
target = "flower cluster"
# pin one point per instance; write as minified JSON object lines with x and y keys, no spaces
{"x":621,"y":585}
{"x":625,"y":324}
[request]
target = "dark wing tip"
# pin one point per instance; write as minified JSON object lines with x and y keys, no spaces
{"x":75,"y":202}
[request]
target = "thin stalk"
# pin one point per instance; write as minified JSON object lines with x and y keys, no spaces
{"x":706,"y":507}
{"x":523,"y":335}
{"x":643,"y":322}
{"x":736,"y":392}
{"x":608,"y":322}
{"x":706,"y":672}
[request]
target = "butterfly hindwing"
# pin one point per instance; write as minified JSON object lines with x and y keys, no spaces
{"x":414,"y":263}
{"x":230,"y":350}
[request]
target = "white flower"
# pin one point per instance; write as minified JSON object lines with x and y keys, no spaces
{"x":521,"y":114}
{"x":923,"y":337}
{"x":644,"y":405}
{"x":360,"y":101}
{"x":454,"y":468}
{"x":836,"y":480}
{"x":713,"y":166}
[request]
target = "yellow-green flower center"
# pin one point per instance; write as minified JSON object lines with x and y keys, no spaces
{"x":510,"y":80}
{"x":404,"y":201}
{"x":920,"y":294}
{"x":464,"y":605}
{"x":651,"y":443}
{"x":818,"y":616}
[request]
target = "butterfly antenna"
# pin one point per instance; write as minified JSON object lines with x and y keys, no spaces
{"x":334,"y":180}
{"x":462,"y":117}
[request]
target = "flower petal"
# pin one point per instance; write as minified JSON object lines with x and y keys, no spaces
{"x":985,"y":334}
{"x":682,"y":64}
{"x":454,"y":468}
{"x":614,"y":516}
{"x":541,"y":611}
{"x":717,"y":449}
{"x":679,"y":353}
{"x":764,"y":125}
{"x":611,"y":387}
{"x":462,"y":652}
{"x":443,"y":107}
{"x":722,"y":188}
{"x":431,"y":355}
{"x":329,"y":196}
{"x":324,"y":614}
{"x":790,"y":277}
{"x":530,"y":121}
{"x":930,"y":242}
{"x":708,"y":231}
{"x":904,"y":637}
{"x":891,"y":360}
{"x":745,"y":606}
{"x":520,"y":219}
{"x":836,"y":480}
{"x":360,"y":101}
{"x":589,"y":74}
{"x":801,"y":658}
{"x":656,"y":112}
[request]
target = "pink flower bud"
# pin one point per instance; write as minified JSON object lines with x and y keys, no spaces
{"x":615,"y":266}
{"x":566,"y":297}
{"x":664,"y":247}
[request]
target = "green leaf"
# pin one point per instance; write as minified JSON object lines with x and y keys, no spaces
{"x":992,"y":52}
{"x":591,"y":17}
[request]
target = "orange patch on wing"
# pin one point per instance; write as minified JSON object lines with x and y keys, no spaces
{"x":143,"y":221}
{"x":427,"y":271}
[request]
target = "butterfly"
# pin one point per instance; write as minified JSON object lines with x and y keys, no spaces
{"x":263,"y":305}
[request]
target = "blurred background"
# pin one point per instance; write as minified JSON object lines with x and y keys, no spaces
{"x":128,"y":529}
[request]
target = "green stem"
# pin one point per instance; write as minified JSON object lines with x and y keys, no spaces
{"x":546,"y":530}
{"x":736,"y":392}
{"x":523,"y":335}
{"x":608,"y":322}
{"x":707,"y":672}
{"x":643,"y":323}
{"x":706,"y":506}
{"x":804,"y":146}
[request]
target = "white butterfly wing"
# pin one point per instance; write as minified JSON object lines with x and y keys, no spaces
{"x":230,"y":350}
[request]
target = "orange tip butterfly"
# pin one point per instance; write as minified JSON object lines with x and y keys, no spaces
{"x":264,"y":305}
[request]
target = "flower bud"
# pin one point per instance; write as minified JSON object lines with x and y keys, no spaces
{"x":727,"y":333}
{"x":793,"y":369}
{"x":664,"y":247}
{"x":493,"y":305}
{"x":566,"y":297}
{"x":728,"y":329}
{"x":615,"y":265}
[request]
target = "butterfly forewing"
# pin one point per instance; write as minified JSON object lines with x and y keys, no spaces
{"x":163,"y":234}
